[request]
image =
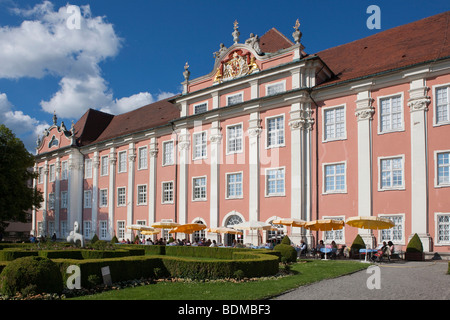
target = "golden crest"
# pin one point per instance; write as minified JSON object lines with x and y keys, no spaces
{"x":236,"y":67}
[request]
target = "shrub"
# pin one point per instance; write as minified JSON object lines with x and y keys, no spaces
{"x":29,"y":275}
{"x":94,"y":239}
{"x":358,"y":243}
{"x":287,"y":252}
{"x":286,"y":240}
{"x":414,"y":245}
{"x":114,"y":240}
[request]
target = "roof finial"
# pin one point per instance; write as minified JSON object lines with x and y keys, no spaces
{"x":236,"y":32}
{"x":297,"y":35}
{"x":186,"y":72}
{"x":55,"y":119}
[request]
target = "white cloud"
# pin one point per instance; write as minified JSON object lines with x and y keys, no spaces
{"x":23,"y":126}
{"x":43,"y":45}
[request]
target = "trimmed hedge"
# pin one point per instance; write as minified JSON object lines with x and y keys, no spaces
{"x":287,"y":251}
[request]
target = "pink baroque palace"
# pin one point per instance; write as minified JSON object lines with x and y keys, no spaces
{"x":271,"y":132}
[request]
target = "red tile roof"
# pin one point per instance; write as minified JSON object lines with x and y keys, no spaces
{"x":273,"y":40}
{"x":406,"y":45}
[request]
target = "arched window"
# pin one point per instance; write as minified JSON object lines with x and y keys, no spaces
{"x":228,"y":239}
{"x":197,"y":235}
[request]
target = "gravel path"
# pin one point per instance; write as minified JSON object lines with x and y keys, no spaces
{"x":400,"y":280}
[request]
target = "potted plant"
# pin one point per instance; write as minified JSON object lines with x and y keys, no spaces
{"x":414,"y":249}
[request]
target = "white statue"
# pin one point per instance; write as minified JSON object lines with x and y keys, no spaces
{"x":74,"y":235}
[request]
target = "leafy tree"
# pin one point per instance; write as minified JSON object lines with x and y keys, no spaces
{"x":16,"y":174}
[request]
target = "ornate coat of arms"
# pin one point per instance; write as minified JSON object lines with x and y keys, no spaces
{"x":237,"y":66}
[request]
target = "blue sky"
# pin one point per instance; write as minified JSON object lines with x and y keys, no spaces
{"x":129,"y":53}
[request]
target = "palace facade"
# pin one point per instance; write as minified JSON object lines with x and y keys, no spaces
{"x":271,"y":132}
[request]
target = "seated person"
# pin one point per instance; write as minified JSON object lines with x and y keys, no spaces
{"x":303,"y":248}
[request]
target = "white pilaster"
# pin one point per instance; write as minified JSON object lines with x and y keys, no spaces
{"x":57,"y":195}
{"x":75,"y":189}
{"x":130,"y":188}
{"x":95,"y":168}
{"x":183,"y":147}
{"x":364,"y":112}
{"x":45,"y":195}
{"x":153,"y":153}
{"x":112,"y":191}
{"x":418,"y":102}
{"x":215,"y":145}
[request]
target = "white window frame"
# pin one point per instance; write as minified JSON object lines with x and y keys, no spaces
{"x":326,"y":234}
{"x":87,"y":199}
{"x":143,"y":158}
{"x":227,"y":98}
{"x":64,"y":170}
{"x":277,"y":144}
{"x":200,"y":104}
{"x":164,"y":153}
{"x":380,"y":186}
{"x":194,"y":187}
{"x":203,"y":145}
{"x":402,"y":113}
{"x":436,"y":169}
{"x":40,"y":175}
{"x":164,"y":191}
{"x":435,"y":115}
{"x":87,"y":168}
{"x":140,"y":194}
{"x":103,"y":195}
{"x":51,"y":200}
{"x":104,"y":166}
{"x":274,"y":194}
{"x":64,"y":199}
{"x":324,"y":178}
{"x":63,"y":231}
{"x":227,"y":184}
{"x":121,"y":229}
{"x":103,"y":229}
{"x":51,"y":173}
{"x":124,"y":196}
{"x":324,"y":125}
{"x":87,"y":229}
{"x":241,"y":138}
{"x":122,"y":163}
{"x":436,"y":219}
{"x":388,"y":216}
{"x":273,"y":84}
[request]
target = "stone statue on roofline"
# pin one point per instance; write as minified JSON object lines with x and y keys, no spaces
{"x":222,"y":49}
{"x":253,"y":42}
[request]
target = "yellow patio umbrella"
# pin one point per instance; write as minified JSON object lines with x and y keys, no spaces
{"x":150,"y":232}
{"x":165,"y":224}
{"x":325,"y":225}
{"x":293,"y":222}
{"x":188,"y":228}
{"x":139,"y":227}
{"x":370,"y":222}
{"x":224,"y":230}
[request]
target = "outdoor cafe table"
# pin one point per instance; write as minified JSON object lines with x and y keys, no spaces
{"x":367,"y":251}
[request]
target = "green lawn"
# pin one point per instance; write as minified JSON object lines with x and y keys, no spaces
{"x":304,"y":273}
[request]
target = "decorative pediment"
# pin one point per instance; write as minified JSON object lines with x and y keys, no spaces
{"x":235,"y":65}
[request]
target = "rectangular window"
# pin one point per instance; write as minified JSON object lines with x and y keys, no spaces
{"x":142,"y":158}
{"x":122,"y":161}
{"x":121,"y":196}
{"x":167,"y":195}
{"x":63,"y":231}
{"x":275,"y":131}
{"x":87,"y":231}
{"x":167,"y":153}
{"x":40,"y":175}
{"x":394,"y":234}
{"x":335,"y":235}
{"x":51,"y":201}
{"x":103,"y":197}
{"x":234,"y":185}
{"x":443,"y":168}
{"x":103,"y":226}
{"x":121,"y":229}
{"x":391,"y":114}
{"x":275,"y":88}
{"x":104,"y":166}
{"x":275,"y":182}
{"x":443,"y":228}
{"x":334,"y":119}
{"x":88,"y":199}
{"x":234,"y":138}
{"x":199,"y":108}
{"x":51,"y":173}
{"x":234,"y":99}
{"x":391,"y":173}
{"x":142,"y":194}
{"x":88,"y":168}
{"x":200,"y":145}
{"x":335,"y":178}
{"x":64,"y":199}
{"x":199,"y":185}
{"x":442,"y":105}
{"x":64,"y":170}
